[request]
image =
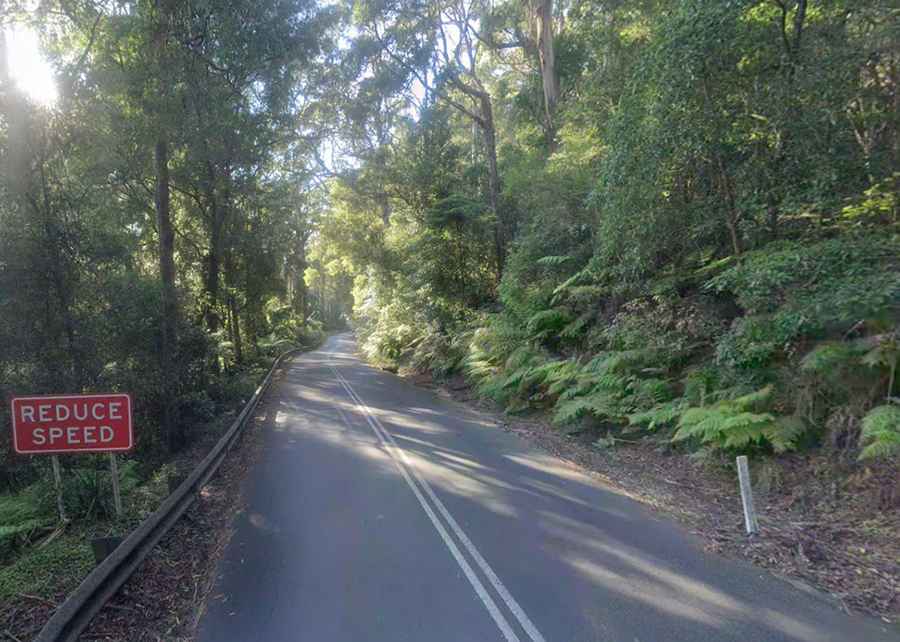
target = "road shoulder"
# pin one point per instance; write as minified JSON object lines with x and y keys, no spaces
{"x":837,"y":543}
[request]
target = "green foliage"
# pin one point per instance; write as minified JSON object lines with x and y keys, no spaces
{"x":600,"y":403}
{"x":704,"y":215}
{"x":87,"y":490}
{"x":660,"y":415}
{"x":831,"y":358}
{"x":20,"y":516}
{"x":739,"y":424}
{"x":877,"y":204}
{"x":554,"y":261}
{"x":755,"y":343}
{"x":547,"y":323}
{"x":48,"y":571}
{"x":610,"y":387}
{"x":824,"y":284}
{"x":881,"y":432}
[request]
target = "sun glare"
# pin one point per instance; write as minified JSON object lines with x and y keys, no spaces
{"x":28,"y":67}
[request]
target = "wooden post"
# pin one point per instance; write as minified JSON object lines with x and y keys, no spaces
{"x":57,"y":479}
{"x":114,"y":473}
{"x":750,"y":522}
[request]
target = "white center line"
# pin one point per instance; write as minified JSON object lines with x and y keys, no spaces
{"x":400,"y":459}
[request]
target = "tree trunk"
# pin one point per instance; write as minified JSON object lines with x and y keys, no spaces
{"x":300,"y":297}
{"x":58,"y":277}
{"x":543,"y":15}
{"x":213,"y":269}
{"x":490,"y":146}
{"x":214,"y":254}
{"x":235,"y":327}
{"x":385,"y":206}
{"x":733,"y":215}
{"x":169,"y":302}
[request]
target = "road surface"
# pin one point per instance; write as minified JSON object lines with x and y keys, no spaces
{"x":380,"y":512}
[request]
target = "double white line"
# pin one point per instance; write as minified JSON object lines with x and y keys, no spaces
{"x":417,"y":484}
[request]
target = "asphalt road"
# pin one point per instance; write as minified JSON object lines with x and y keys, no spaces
{"x":379,"y":511}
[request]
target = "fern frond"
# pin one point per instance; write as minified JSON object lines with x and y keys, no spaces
{"x":745,"y":428}
{"x":571,"y":281}
{"x":573,"y":329}
{"x":553,"y":261}
{"x":730,"y":425}
{"x":751,"y":401}
{"x":702,"y":423}
{"x":600,"y":405}
{"x":546,"y":323}
{"x":562,"y":379}
{"x":649,"y":392}
{"x":784,"y":432}
{"x":569,"y":410}
{"x":658,"y":416}
{"x":881,"y":432}
{"x":584,"y":293}
{"x":522,"y":357}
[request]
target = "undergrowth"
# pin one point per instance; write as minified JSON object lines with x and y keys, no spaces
{"x":793,"y":346}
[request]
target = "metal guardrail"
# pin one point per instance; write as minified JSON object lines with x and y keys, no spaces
{"x":75,"y":614}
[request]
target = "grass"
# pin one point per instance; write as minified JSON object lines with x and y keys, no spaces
{"x":57,"y":567}
{"x":48,"y":571}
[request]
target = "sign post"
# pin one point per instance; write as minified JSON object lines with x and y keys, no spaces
{"x":57,"y":482}
{"x":114,"y":473}
{"x":57,"y":424}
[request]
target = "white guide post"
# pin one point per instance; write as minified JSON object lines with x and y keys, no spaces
{"x":750,"y":521}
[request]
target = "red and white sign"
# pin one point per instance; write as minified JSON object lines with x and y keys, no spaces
{"x":72,"y":423}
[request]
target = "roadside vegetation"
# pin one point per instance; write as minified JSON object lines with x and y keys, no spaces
{"x":151,"y":242}
{"x":695,"y":238}
{"x":664,"y":223}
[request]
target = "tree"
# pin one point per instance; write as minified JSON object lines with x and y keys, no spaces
{"x":447,"y":68}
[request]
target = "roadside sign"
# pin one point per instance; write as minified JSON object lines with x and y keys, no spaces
{"x":72,"y":423}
